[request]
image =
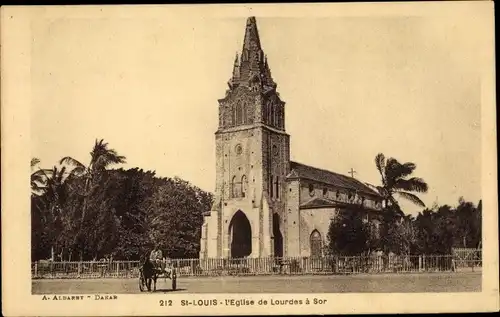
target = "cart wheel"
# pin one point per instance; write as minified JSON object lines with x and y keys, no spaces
{"x":174,"y":280}
{"x":141,"y":283}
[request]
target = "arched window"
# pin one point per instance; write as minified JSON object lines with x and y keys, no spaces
{"x":244,"y":119}
{"x":268,"y":113}
{"x":243,"y":186}
{"x":275,"y":117}
{"x":271,"y":186}
{"x":234,"y":188}
{"x":316,"y":244}
{"x":277,"y":184}
{"x":239,"y":113}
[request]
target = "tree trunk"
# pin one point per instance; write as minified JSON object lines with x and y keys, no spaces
{"x":52,"y":253}
{"x":84,"y":209}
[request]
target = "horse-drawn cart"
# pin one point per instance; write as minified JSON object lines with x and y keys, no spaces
{"x":150,"y":272}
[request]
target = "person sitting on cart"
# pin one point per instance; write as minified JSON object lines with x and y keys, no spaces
{"x":156,"y":257}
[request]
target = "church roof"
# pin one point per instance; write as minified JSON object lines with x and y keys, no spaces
{"x":321,"y":202}
{"x":299,"y":170}
{"x":318,"y":203}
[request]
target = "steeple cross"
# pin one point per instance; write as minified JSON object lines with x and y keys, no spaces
{"x":352,"y":172}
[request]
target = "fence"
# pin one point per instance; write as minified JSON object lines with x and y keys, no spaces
{"x":466,"y":257}
{"x":265,"y":266}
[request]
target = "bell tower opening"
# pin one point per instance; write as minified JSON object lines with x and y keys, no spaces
{"x":240,"y":234}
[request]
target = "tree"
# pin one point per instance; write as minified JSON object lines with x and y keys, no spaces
{"x":134,"y":187}
{"x":101,"y":157}
{"x":467,"y":225}
{"x":443,"y":227}
{"x":395,"y":181}
{"x":347,"y":233}
{"x":175,"y":216}
{"x":125,"y":212}
{"x":399,"y":236}
{"x":51,"y":197}
{"x":37,"y":177}
{"x":477,"y":233}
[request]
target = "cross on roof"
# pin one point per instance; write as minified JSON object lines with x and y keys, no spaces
{"x":352,"y":172}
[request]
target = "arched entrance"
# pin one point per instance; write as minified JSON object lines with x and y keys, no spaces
{"x":316,"y":244}
{"x":278,"y":237}
{"x":240,"y":234}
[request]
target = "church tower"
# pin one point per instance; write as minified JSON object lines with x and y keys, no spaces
{"x":252,"y":161}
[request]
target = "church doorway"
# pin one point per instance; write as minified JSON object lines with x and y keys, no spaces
{"x":240,"y":234}
{"x":278,"y":237}
{"x":316,"y":244}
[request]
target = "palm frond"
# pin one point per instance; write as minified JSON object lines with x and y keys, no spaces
{"x":60,"y":174}
{"x":406,"y":169}
{"x":37,"y":178}
{"x":102,"y":156}
{"x":44,"y":173}
{"x":39,"y":173}
{"x":72,"y":162}
{"x":411,"y":197}
{"x":392,"y":168}
{"x":413,"y":184}
{"x":380,"y":163}
{"x":77,"y":171}
{"x":34,"y":161}
{"x":106,"y":159}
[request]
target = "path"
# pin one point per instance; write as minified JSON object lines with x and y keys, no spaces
{"x":404,"y":283}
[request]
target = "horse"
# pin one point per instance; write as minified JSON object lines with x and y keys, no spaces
{"x":149,"y":273}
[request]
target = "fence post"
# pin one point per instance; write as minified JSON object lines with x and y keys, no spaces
{"x":117,"y":269}
{"x":420,"y":263}
{"x":36,"y":269}
{"x":79,"y":268}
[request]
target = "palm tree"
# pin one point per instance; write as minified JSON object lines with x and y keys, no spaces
{"x":37,"y":177}
{"x":395,"y":181}
{"x":49,"y":185}
{"x":101,"y":157}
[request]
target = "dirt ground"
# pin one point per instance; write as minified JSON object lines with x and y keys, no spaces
{"x":404,"y":283}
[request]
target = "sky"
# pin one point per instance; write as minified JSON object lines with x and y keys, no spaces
{"x":408,"y":86}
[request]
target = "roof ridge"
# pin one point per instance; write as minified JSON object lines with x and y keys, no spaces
{"x":348,"y":182}
{"x":324,"y":170}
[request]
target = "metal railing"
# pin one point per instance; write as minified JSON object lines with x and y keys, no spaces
{"x":265,"y":266}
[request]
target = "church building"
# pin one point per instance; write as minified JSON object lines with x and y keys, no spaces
{"x":266,"y":205}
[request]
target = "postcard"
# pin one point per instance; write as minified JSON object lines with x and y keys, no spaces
{"x":249,"y":159}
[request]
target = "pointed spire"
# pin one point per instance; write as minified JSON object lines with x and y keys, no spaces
{"x":236,"y":68}
{"x":252,"y":40}
{"x":252,"y":63}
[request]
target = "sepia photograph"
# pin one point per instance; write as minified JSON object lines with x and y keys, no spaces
{"x":176,"y":151}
